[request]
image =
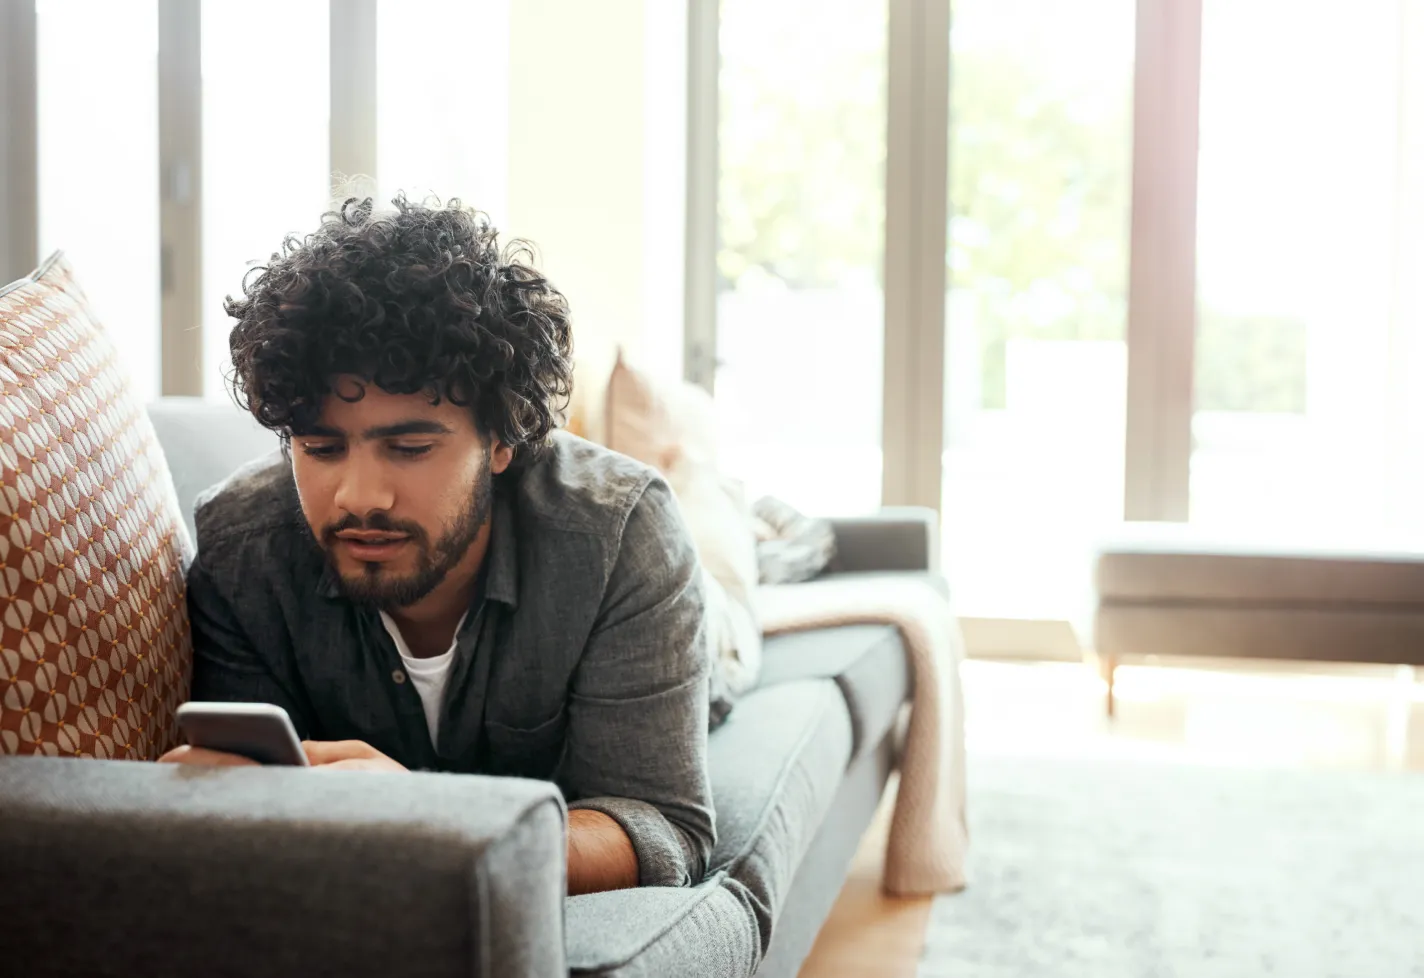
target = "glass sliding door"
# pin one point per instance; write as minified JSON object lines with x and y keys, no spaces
{"x":1301,"y":373}
{"x":1040,"y":161}
{"x":266,"y":85}
{"x":1270,"y":262}
{"x":801,"y":241}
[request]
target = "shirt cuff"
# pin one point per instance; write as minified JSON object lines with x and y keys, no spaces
{"x":661,"y":859}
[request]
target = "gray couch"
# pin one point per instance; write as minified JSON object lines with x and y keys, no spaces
{"x":138,"y":869}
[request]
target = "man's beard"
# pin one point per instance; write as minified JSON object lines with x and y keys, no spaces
{"x":432,"y":563}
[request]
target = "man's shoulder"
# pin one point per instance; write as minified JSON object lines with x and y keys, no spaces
{"x":577,"y":485}
{"x":252,"y":503}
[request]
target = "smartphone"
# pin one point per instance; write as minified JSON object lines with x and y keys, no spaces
{"x":260,"y":731}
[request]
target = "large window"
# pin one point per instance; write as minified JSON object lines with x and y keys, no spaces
{"x":98,"y":163}
{"x":237,"y":153}
{"x":1040,"y":183}
{"x":1297,"y":401}
{"x":1182,"y":251}
{"x":801,"y":242}
{"x":1180,"y":308}
{"x":265,"y":169}
{"x":443,"y":122}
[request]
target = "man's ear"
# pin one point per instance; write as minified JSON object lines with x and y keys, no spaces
{"x":500,"y":456}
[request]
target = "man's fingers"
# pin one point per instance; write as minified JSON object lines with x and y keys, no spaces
{"x":321,"y":752}
{"x":201,"y":755}
{"x":350,"y":764}
{"x":347,"y":755}
{"x":379,"y":764}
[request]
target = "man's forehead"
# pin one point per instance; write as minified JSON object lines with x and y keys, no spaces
{"x":355,"y":405}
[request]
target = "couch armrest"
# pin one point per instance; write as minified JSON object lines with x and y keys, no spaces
{"x":124,"y":868}
{"x":904,"y":538}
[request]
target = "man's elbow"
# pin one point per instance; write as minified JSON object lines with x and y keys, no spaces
{"x":600,"y":854}
{"x":697,"y":841}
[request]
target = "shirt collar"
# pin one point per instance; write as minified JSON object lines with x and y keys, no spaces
{"x":501,"y":569}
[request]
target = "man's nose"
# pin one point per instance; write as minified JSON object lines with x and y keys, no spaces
{"x":363,"y":487}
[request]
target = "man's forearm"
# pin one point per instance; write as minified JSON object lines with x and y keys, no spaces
{"x":601,"y":856}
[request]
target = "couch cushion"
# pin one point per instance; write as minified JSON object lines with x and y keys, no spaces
{"x":934,"y":579}
{"x":709,"y":929}
{"x":868,"y":663}
{"x":1155,"y":562}
{"x":95,"y":652}
{"x":775,"y":765}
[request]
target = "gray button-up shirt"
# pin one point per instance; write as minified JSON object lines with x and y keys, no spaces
{"x":582,"y":659}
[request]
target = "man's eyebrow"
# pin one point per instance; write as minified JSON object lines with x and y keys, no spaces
{"x":318,"y":431}
{"x":412,"y":427}
{"x":422,"y":427}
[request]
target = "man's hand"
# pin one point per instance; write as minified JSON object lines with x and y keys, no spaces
{"x":336,"y":755}
{"x":203,"y":756}
{"x":347,"y":755}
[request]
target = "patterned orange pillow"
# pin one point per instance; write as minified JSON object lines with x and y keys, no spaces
{"x":95,"y":652}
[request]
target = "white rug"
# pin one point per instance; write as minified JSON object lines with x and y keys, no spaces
{"x":1123,"y":869}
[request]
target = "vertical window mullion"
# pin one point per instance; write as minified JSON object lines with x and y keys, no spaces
{"x":180,"y":145}
{"x":1162,"y":314}
{"x":1406,"y":356}
{"x":916,"y":202}
{"x":19,"y":141}
{"x":353,"y":91}
{"x":700,"y":283}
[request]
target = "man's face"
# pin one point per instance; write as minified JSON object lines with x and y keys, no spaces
{"x":395,"y":489}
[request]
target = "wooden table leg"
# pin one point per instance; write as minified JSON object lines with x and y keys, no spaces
{"x":1107,"y":666}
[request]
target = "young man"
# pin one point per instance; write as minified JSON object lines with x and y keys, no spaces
{"x":433,"y":578}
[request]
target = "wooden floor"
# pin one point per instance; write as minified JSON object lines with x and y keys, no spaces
{"x":1361,"y":717}
{"x":869,"y":933}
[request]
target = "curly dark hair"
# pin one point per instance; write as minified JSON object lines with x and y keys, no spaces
{"x":421,"y":299}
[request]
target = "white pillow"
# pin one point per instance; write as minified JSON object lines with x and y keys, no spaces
{"x":672,"y":427}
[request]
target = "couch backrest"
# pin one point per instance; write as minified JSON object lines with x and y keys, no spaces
{"x":205,"y":442}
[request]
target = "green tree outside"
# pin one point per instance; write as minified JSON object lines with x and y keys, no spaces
{"x":1040,"y":195}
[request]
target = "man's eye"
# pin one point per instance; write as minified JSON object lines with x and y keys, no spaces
{"x":321,"y":451}
{"x":411,"y":451}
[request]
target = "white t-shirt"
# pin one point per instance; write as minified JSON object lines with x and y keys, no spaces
{"x":429,"y":675}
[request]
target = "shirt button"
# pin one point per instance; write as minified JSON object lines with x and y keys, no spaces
{"x":398,"y":676}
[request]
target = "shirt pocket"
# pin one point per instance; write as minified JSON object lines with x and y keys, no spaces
{"x":526,"y":752}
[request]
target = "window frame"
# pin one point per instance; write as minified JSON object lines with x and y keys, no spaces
{"x":19,"y":141}
{"x":180,"y":157}
{"x":1161,"y":321}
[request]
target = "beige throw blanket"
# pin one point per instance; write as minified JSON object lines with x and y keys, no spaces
{"x":928,"y":832}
